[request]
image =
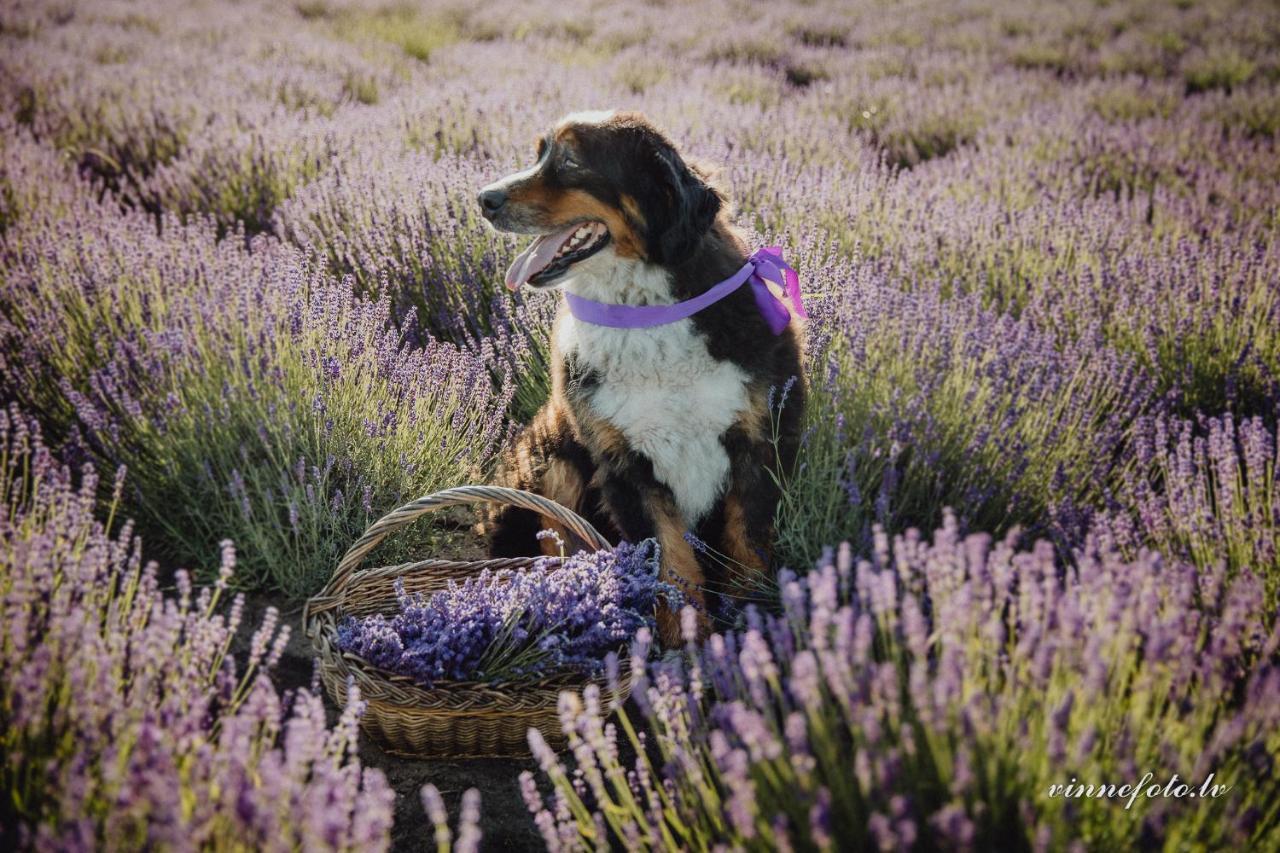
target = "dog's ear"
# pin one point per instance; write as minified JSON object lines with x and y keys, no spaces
{"x":691,"y":204}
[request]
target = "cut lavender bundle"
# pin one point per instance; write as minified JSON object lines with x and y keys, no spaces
{"x":561,"y":615}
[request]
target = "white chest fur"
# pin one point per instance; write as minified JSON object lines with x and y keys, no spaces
{"x":658,"y":386}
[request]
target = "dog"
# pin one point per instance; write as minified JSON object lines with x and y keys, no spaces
{"x":657,"y":431}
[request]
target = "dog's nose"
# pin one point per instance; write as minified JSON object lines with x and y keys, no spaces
{"x":491,"y":201}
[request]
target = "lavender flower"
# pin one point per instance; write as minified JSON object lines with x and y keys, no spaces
{"x":558,"y":615}
{"x":125,"y":721}
{"x":814,"y":736}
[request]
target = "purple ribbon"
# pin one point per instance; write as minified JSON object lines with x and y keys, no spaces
{"x":765,"y":266}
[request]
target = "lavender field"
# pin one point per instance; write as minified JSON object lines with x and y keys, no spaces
{"x":248,"y":305}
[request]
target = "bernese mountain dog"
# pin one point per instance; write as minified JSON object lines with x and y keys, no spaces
{"x":649,"y":432}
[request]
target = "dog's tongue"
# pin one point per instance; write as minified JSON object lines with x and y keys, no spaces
{"x":537,"y":257}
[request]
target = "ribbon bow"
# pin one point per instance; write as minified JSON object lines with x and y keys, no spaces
{"x":770,"y":267}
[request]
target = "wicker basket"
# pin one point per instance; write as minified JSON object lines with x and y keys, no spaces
{"x":454,"y":719}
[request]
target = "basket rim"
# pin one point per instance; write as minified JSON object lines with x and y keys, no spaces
{"x":404,"y":515}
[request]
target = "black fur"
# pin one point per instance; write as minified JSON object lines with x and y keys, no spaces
{"x":691,"y":209}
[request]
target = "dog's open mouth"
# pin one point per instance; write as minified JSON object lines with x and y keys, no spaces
{"x":551,"y":255}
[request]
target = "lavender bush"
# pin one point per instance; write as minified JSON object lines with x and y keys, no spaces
{"x":937,"y":691}
{"x":125,"y":721}
{"x":406,"y":228}
{"x":1207,"y":492}
{"x":922,"y":403}
{"x":248,"y":393}
{"x":562,"y":614}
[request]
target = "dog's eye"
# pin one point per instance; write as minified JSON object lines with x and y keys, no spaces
{"x":568,"y":162}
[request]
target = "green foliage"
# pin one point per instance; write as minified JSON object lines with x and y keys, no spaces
{"x":1131,"y":102}
{"x":1209,"y":492}
{"x":131,"y":721}
{"x":1225,"y":69}
{"x":1037,"y":55}
{"x":943,"y":694}
{"x":361,"y":88}
{"x":1255,"y":114}
{"x":414,"y":32}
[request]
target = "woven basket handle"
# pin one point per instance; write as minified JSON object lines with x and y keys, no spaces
{"x":461,"y":495}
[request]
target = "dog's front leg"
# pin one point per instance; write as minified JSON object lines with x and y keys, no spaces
{"x":641,"y":508}
{"x":749,"y":508}
{"x":546,"y":459}
{"x":680,"y":568}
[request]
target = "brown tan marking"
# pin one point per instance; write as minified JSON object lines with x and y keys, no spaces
{"x":526,"y":465}
{"x":571,"y":205}
{"x":750,"y":567}
{"x":680,"y":568}
{"x":632,"y":210}
{"x":563,"y":484}
{"x":560,"y":207}
{"x":602,"y":438}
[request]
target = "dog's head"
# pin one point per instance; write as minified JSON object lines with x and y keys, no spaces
{"x":602,"y":182}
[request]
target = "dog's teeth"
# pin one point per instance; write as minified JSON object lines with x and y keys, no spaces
{"x":586,"y":235}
